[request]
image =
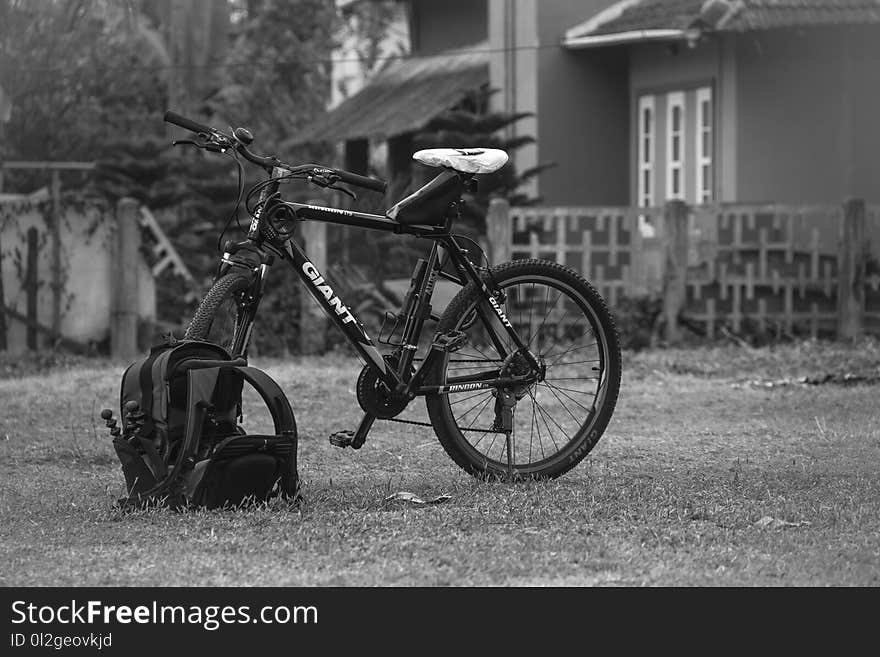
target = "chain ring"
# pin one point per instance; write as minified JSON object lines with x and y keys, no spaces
{"x":374,"y":397}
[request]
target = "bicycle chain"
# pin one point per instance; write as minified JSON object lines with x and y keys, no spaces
{"x":428,"y":424}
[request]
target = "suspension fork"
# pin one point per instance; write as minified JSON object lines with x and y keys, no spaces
{"x":249,"y":307}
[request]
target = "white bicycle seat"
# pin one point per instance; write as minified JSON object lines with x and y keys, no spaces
{"x":466,"y":160}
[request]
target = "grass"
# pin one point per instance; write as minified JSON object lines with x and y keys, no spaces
{"x":701,"y":479}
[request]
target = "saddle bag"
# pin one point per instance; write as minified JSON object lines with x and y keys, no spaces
{"x":429,"y":205}
{"x":180,"y":443}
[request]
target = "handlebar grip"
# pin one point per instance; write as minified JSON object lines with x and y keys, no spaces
{"x":183,"y":122}
{"x":361,"y":181}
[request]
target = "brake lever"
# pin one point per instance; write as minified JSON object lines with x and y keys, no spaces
{"x":344,"y":191}
{"x":206,"y":143}
{"x":185,"y":142}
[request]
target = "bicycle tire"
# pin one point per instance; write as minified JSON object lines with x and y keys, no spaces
{"x":216,"y":305}
{"x":460,"y":313}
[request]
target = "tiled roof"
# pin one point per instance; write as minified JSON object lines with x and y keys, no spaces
{"x":404,"y":97}
{"x":745,"y":15}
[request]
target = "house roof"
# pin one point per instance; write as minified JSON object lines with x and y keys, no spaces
{"x":404,"y":97}
{"x":641,"y":19}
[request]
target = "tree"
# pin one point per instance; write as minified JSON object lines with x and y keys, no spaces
{"x":91,"y":79}
{"x":67,"y":69}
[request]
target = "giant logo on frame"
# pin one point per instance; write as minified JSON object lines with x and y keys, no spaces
{"x":334,"y":301}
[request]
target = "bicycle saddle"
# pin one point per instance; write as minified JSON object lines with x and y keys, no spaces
{"x":465,"y":160}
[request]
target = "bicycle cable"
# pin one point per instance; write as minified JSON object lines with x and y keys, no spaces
{"x":234,"y":212}
{"x":476,"y":244}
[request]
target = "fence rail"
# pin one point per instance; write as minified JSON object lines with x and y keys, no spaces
{"x":790,"y":268}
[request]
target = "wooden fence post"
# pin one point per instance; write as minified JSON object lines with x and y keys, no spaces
{"x":3,"y":343}
{"x":312,"y":320}
{"x":31,"y":284}
{"x":55,"y":239}
{"x":675,"y":266}
{"x":124,"y":281}
{"x":499,"y":231}
{"x":851,"y":271}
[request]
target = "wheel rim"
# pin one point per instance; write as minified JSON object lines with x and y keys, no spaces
{"x":553,"y":415}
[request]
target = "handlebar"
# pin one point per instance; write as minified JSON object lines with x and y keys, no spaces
{"x":189,"y":124}
{"x":349,"y":178}
{"x":224,"y":141}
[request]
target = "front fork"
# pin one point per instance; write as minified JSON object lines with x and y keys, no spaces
{"x":249,"y":305}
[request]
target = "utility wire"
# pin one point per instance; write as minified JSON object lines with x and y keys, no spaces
{"x":400,"y":57}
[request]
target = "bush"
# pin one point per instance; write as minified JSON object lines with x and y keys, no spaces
{"x":637,"y":320}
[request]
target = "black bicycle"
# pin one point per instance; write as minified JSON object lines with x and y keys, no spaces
{"x":522,"y":374}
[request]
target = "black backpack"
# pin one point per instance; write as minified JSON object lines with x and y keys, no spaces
{"x":180,"y":443}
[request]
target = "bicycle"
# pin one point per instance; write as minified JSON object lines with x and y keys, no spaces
{"x":492,"y":346}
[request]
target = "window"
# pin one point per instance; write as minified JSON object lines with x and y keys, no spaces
{"x":646,"y":155}
{"x":676,"y":148}
{"x":704,"y":145}
{"x":675,"y":122}
{"x":646,"y":152}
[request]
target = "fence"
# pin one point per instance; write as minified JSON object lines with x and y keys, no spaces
{"x":75,"y":273}
{"x":792,"y":269}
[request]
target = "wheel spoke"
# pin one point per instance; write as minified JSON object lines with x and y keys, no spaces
{"x":472,"y":408}
{"x":559,"y":357}
{"x":480,"y":412}
{"x":564,"y":326}
{"x":559,"y":296}
{"x":536,"y":417}
{"x":572,"y":378}
{"x":560,"y":390}
{"x":479,"y":394}
{"x":541,"y":415}
{"x":578,"y":422}
{"x":545,"y":414}
{"x":581,"y":362}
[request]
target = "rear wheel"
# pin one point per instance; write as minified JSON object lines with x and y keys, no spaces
{"x":560,"y":417}
{"x":222,"y":315}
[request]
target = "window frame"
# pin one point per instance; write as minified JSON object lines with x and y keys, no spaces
{"x":675,"y":100}
{"x":647,"y":157}
{"x":704,"y":134}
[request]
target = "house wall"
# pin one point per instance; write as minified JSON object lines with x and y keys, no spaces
{"x":579,"y":100}
{"x":807,"y":115}
{"x":513,"y":71}
{"x":583,"y":112}
{"x":659,"y":68}
{"x":438,"y":26}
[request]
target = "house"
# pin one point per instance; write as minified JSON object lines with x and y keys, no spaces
{"x":447,"y":59}
{"x":760,"y":115}
{"x":641,"y":101}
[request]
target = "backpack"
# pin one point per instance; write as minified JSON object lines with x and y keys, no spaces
{"x":180,"y":443}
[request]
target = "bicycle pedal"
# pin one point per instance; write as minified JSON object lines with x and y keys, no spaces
{"x":342,"y":439}
{"x":449,"y":342}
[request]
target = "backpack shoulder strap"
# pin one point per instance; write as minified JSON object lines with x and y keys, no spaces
{"x":276,"y":400}
{"x":200,"y":386}
{"x":145,"y":380}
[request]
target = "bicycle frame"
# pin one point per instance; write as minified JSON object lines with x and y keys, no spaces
{"x":423,"y":286}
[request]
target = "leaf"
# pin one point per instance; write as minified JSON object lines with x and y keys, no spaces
{"x":412,"y":498}
{"x":775,"y":523}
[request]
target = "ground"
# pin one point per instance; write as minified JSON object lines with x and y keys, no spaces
{"x":719,"y":468}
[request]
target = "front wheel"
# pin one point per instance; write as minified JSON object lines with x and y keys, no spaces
{"x":560,"y":417}
{"x":223,"y":316}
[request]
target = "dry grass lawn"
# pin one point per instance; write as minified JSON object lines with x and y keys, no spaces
{"x":702,"y":478}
